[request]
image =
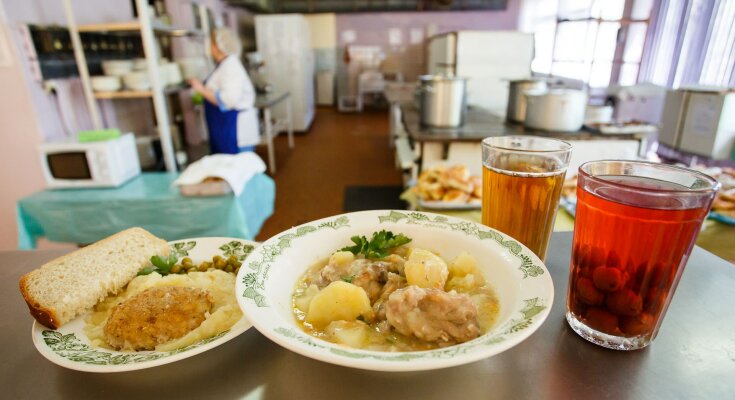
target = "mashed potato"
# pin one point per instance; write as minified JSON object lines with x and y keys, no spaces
{"x":220,"y":285}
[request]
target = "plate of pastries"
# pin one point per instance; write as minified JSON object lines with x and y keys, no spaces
{"x":723,"y":208}
{"x":449,"y":188}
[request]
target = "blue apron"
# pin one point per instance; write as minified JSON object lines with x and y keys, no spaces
{"x":222,"y":127}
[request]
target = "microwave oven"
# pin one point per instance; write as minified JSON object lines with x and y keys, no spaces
{"x":108,"y":163}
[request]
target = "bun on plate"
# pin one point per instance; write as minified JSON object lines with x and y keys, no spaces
{"x":455,"y":196}
{"x":457,"y":177}
{"x":448,"y":184}
{"x":728,"y":195}
{"x":63,"y":288}
{"x":477,"y":186}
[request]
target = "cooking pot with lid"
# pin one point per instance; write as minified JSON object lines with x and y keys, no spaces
{"x":442,"y":100}
{"x":517,"y":100}
{"x":556,"y":110}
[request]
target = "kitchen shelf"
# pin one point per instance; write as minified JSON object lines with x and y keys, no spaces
{"x":150,"y":30}
{"x":134,"y":26}
{"x":138,"y":94}
{"x":124,"y":94}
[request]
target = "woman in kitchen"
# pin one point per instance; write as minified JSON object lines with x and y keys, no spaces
{"x":229,"y":98}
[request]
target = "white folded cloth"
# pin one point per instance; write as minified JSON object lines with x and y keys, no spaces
{"x":235,"y":169}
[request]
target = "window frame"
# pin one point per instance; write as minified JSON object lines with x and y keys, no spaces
{"x":618,"y":61}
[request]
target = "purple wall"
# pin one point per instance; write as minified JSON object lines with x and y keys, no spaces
{"x":373,"y":29}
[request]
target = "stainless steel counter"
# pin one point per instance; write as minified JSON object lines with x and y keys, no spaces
{"x":265,"y":100}
{"x":693,"y":357}
{"x":272,"y":127}
{"x":480,"y":124}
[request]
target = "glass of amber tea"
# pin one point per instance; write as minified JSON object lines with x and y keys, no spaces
{"x":522,"y":177}
{"x":635,"y":225}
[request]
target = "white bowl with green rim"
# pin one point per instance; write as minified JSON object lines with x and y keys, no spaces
{"x":267,"y":279}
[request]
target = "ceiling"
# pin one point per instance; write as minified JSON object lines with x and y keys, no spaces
{"x":342,"y":6}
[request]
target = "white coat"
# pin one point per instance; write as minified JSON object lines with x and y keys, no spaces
{"x":234,"y":91}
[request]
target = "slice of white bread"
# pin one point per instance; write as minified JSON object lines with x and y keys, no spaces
{"x":63,"y":288}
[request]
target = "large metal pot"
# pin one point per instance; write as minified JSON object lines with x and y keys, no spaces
{"x":517,"y":99}
{"x":442,"y":100}
{"x":556,"y":110}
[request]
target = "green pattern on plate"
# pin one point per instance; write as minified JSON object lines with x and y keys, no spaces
{"x":70,"y":347}
{"x":237,"y":249}
{"x":181,"y":249}
{"x":233,"y":248}
{"x":471,"y":229}
{"x":254,"y":282}
{"x":532,"y":308}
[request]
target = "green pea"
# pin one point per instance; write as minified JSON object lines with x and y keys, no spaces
{"x":220,"y":263}
{"x":176,"y":269}
{"x":186,"y":260}
{"x":228,"y":268}
{"x":204,"y":266}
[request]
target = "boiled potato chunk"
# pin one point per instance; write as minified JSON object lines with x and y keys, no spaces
{"x":302,"y":302}
{"x":425,"y":269}
{"x":463,"y":265}
{"x":487,"y":309}
{"x":463,"y":284}
{"x":341,"y":259}
{"x":351,"y":333}
{"x":340,"y":301}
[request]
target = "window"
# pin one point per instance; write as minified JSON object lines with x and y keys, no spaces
{"x":692,"y":42}
{"x":719,"y":60}
{"x":596,"y":41}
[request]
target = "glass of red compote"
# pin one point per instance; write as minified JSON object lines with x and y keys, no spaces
{"x":635,"y":226}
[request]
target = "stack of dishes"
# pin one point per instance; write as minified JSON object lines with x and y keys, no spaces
{"x":106,"y":83}
{"x":137,"y":80}
{"x":133,"y":74}
{"x":170,"y":73}
{"x":117,"y":67}
{"x":192,"y":67}
{"x":113,"y":71}
{"x":139,"y":64}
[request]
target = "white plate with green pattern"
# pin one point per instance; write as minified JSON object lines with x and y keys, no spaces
{"x":69,"y":346}
{"x":266,"y":282}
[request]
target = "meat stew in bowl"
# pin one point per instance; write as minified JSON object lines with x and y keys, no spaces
{"x":385,"y":295}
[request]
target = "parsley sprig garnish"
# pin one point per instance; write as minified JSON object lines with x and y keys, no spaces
{"x":378,"y":246}
{"x":162,"y":265}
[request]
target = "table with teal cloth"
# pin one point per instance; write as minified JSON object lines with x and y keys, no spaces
{"x":86,"y":215}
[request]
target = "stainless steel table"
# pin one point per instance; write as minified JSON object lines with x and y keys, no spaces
{"x":693,"y":357}
{"x":480,"y":123}
{"x":265,"y":102}
{"x":462,"y":145}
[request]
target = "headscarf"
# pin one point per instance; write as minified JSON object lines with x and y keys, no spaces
{"x":227,"y":41}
